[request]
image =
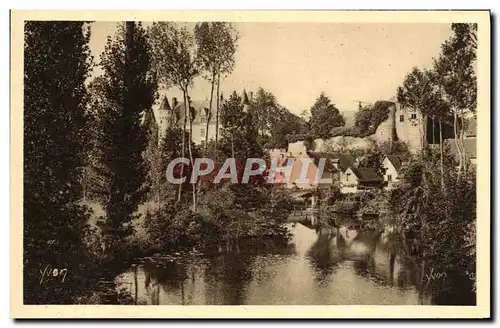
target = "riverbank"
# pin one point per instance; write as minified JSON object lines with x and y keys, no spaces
{"x":310,"y":269}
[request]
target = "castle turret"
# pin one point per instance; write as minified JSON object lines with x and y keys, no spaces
{"x":165,"y":118}
{"x":164,"y":104}
{"x":245,"y":102}
{"x":386,"y":131}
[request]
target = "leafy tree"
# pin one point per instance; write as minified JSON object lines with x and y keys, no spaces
{"x":368,"y":118}
{"x":152,"y":156}
{"x":239,"y":136}
{"x":176,"y":64}
{"x":324,"y":117}
{"x":373,"y":159}
{"x":127,"y":90}
{"x":57,"y":62}
{"x":418,"y":92}
{"x":434,"y":224}
{"x":363,"y":119}
{"x":216,"y":43}
{"x":266,"y":111}
{"x":287,"y":125}
{"x":456,"y":75}
{"x":159,"y":156}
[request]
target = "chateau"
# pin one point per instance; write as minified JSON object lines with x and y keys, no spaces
{"x":172,"y":114}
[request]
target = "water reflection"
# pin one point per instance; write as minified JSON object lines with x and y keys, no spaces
{"x":338,"y":267}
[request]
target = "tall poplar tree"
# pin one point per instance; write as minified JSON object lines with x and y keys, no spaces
{"x":56,"y":64}
{"x":217,"y":43}
{"x":127,"y":91}
{"x":456,"y":72}
{"x":176,"y":64}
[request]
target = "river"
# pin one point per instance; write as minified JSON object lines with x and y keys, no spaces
{"x":337,"y":267}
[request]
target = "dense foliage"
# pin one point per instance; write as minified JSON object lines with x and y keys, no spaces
{"x":324,"y":117}
{"x":55,"y":100}
{"x":435,"y":234}
{"x":126,"y":91}
{"x":99,"y":142}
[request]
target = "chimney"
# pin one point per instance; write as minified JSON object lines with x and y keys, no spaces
{"x":251,"y":96}
{"x":174,"y":102}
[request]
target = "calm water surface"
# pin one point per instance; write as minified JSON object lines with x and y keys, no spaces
{"x":341,"y":267}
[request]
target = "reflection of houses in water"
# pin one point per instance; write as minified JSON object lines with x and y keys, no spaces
{"x":347,"y":234}
{"x":324,"y":256}
{"x":373,"y":253}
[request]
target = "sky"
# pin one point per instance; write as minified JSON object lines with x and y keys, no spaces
{"x":349,"y":62}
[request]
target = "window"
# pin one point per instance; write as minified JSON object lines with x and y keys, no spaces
{"x":221,"y":130}
{"x":401,"y":118}
{"x":347,"y":176}
{"x":203,"y":143}
{"x":202,"y":132}
{"x":413,"y":116}
{"x":203,"y":119}
{"x":389,"y":177}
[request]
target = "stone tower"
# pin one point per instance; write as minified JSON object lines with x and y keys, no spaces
{"x":386,"y":131}
{"x":409,"y":128}
{"x":245,"y":102}
{"x":166,"y":118}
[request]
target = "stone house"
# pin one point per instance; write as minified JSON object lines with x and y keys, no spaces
{"x":356,"y":179}
{"x":392,"y":165}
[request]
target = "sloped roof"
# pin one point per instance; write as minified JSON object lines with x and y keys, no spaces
{"x":395,"y":160}
{"x":366,"y":174}
{"x":317,"y":156}
{"x":344,"y":160}
{"x":244,"y":98}
{"x":198,"y":106}
{"x":164,"y":105}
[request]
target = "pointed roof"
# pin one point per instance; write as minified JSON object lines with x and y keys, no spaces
{"x":342,"y":160}
{"x":395,"y":160}
{"x":244,"y":98}
{"x":198,"y":107}
{"x":148,"y":117}
{"x":164,"y":104}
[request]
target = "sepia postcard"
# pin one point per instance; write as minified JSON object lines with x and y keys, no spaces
{"x":250,"y":164}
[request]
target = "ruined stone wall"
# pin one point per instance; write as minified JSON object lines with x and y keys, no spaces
{"x":409,"y":128}
{"x":386,"y":130}
{"x":401,"y":125}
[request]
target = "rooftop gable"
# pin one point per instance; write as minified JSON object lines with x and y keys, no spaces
{"x":366,"y":174}
{"x":395,"y":161}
